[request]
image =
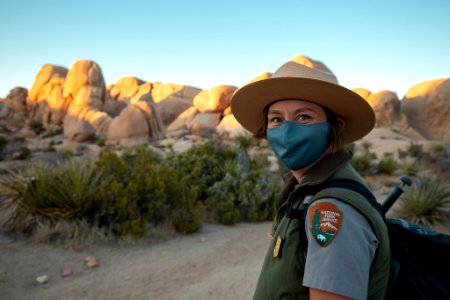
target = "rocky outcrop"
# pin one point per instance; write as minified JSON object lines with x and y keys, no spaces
{"x":79,"y":131}
{"x":45,"y":100}
{"x":427,"y":108}
{"x":262,"y":76}
{"x":206,"y":113}
{"x":83,"y":73}
{"x":387,"y":109}
{"x":304,"y":60}
{"x":136,"y":121}
{"x":214,"y":100}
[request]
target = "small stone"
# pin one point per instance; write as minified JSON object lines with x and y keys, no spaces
{"x":42,"y":279}
{"x":91,"y":262}
{"x":202,"y":239}
{"x":66,"y":272}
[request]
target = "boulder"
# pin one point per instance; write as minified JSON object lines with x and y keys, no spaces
{"x":262,"y":76}
{"x":113,"y":107}
{"x":215,"y":100}
{"x":45,"y":100}
{"x":184,"y":120}
{"x":172,"y":107}
{"x":304,"y":60}
{"x":83,"y":73}
{"x":427,"y":108}
{"x":79,"y":131}
{"x":125,"y":88}
{"x":387,"y":109}
{"x":161,"y":91}
{"x":45,"y":74}
{"x":89,"y":96}
{"x":364,"y":93}
{"x":131,"y":123}
{"x":17,"y":97}
{"x":204,"y":124}
{"x":140,"y":120}
{"x":230,"y":126}
{"x":154,"y":122}
{"x":144,"y":93}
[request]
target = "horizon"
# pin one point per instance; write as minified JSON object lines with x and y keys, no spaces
{"x":377,"y":46}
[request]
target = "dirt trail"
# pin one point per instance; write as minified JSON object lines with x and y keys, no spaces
{"x":219,"y":262}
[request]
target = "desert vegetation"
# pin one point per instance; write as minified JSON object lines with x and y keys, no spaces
{"x":136,"y":189}
{"x":142,"y":190}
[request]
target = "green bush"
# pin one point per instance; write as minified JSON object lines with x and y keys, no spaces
{"x":243,"y":196}
{"x":22,"y":154}
{"x":426,"y":204}
{"x":52,"y":132}
{"x":125,"y":194}
{"x":361,"y":162}
{"x":201,"y":166}
{"x":65,"y":192}
{"x":388,"y":164}
{"x":36,"y":126}
{"x":66,"y":153}
{"x":3,"y":143}
{"x":411,"y":166}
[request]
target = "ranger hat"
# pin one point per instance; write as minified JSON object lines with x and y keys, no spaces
{"x":297,"y":81}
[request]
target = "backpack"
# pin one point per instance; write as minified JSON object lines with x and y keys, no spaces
{"x":420,"y":257}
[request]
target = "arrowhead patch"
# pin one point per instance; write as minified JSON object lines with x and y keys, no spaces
{"x":325,"y":220}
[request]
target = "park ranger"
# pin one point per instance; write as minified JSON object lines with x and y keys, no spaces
{"x":308,"y":118}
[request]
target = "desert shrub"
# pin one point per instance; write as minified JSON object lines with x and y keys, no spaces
{"x":22,"y":154}
{"x":388,"y":164}
{"x":411,"y":166}
{"x":201,"y":166}
{"x":52,"y":132}
{"x":66,"y":153}
{"x":366,"y":145}
{"x":427,"y":203}
{"x":65,"y":192}
{"x":437,"y":148}
{"x":414,"y":150}
{"x":244,"y":143}
{"x":3,"y":143}
{"x":145,"y":190}
{"x":362,"y":162}
{"x":101,"y":141}
{"x":36,"y":126}
{"x":242,"y":195}
{"x":126,"y":194}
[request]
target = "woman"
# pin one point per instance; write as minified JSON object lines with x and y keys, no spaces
{"x":307,"y":118}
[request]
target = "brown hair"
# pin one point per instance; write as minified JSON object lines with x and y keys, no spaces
{"x":336,"y":129}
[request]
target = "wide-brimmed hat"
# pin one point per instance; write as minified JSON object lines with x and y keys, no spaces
{"x":297,"y":81}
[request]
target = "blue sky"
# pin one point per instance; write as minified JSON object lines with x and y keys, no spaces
{"x":372,"y":44}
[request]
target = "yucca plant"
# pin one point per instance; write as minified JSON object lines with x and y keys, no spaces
{"x":244,"y":143}
{"x":61,"y":193}
{"x":426,"y":204}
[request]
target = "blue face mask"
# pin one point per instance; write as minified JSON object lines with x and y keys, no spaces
{"x":299,"y":145}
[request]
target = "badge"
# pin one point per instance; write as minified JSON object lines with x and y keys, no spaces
{"x":325,"y":220}
{"x":277,"y":248}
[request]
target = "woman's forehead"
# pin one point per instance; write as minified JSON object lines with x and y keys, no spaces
{"x":294,"y":104}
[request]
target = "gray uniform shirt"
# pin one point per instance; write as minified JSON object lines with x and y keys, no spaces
{"x":342,"y":267}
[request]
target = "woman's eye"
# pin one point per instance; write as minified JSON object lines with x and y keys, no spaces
{"x":275,"y":120}
{"x":303,"y":118}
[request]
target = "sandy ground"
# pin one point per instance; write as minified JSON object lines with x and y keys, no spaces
{"x":218,"y":262}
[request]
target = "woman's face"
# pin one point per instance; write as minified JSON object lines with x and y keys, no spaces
{"x":294,"y":110}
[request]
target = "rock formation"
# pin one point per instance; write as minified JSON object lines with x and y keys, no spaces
{"x":427,"y":107}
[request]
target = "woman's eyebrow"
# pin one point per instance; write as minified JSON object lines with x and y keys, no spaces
{"x":274,"y":111}
{"x":304,"y":109}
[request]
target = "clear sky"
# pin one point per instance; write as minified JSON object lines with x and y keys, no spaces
{"x":375,"y":44}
